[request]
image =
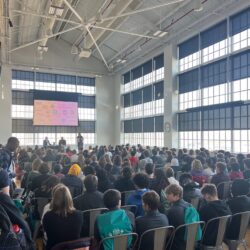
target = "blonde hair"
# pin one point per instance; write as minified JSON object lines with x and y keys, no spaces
{"x":197,"y":165}
{"x":36,"y":164}
{"x":61,"y":202}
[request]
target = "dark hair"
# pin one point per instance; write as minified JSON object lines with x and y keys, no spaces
{"x":133,"y":153}
{"x":185,"y":179}
{"x":12,"y":144}
{"x":127,"y":172}
{"x":44,"y":168}
{"x":235,"y":167}
{"x":169,"y":172}
{"x":111,"y":198}
{"x":117,"y":160}
{"x":89,"y":170}
{"x":240,"y":187}
{"x":149,"y":168}
{"x":209,"y":189}
{"x":141,"y":180}
{"x":57,"y":168}
{"x":91,"y":183}
{"x":221,"y":166}
{"x":152,"y":199}
{"x":49,"y":183}
{"x":146,"y":153}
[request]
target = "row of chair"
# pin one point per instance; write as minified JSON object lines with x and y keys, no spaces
{"x":163,"y":237}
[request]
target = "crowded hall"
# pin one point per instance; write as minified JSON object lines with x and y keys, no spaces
{"x":124,"y":125}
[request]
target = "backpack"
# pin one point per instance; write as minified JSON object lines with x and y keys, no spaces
{"x":191,"y":216}
{"x":113,"y":223}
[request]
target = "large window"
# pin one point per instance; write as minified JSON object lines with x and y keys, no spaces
{"x":143,"y":101}
{"x":217,"y":86}
{"x":23,"y":85}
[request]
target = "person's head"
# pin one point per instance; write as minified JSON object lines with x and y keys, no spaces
{"x":240,"y":187}
{"x":91,"y":183}
{"x":94,"y":158}
{"x":89,"y":170}
{"x":74,"y":170}
{"x":133,"y":153}
{"x":112,"y":199}
{"x":117,"y":160}
{"x":196,"y":165}
{"x":174,"y":162}
{"x":49,"y":183}
{"x":61,"y":202}
{"x":150,"y":201}
{"x":149,"y":168}
{"x":247,"y":163}
{"x":44,"y":168}
{"x":174,"y":193}
{"x":4,"y":182}
{"x":221,"y":167}
{"x":57,"y":168}
{"x":146,"y":153}
{"x":127,"y":172}
{"x":209,"y":192}
{"x":185,"y":179}
{"x":169,"y":172}
{"x":102,"y":162}
{"x":141,"y":180}
{"x":12,"y":144}
{"x":235,"y":167}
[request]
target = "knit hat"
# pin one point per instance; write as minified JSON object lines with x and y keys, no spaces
{"x":4,"y":179}
{"x":175,"y":162}
{"x":74,"y":170}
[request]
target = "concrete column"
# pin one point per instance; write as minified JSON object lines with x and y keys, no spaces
{"x":170,"y":97}
{"x":5,"y":103}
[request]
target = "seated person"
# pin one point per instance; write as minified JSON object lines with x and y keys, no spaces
{"x":12,"y":211}
{"x":246,"y":173}
{"x":124,"y":182}
{"x":170,"y":176}
{"x":141,"y":182}
{"x":152,"y":218}
{"x":235,"y":172}
{"x":44,"y":175}
{"x":190,"y":188}
{"x":63,"y":222}
{"x":239,"y":203}
{"x":197,"y":172}
{"x":221,"y":174}
{"x":114,"y":222}
{"x":72,"y":181}
{"x":212,"y":209}
{"x":176,"y":214}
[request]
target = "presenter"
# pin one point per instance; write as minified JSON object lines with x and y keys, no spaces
{"x":46,"y":142}
{"x":80,"y":140}
{"x":62,"y":144}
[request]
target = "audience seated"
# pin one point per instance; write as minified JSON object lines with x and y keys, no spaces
{"x":176,"y":213}
{"x":190,"y":188}
{"x":212,"y":209}
{"x":145,"y":160}
{"x":197,"y":172}
{"x":58,"y":171}
{"x":239,"y":203}
{"x":246,"y":172}
{"x":34,"y":172}
{"x":152,"y":218}
{"x":170,"y":176}
{"x":141,"y":182}
{"x":221,"y":174}
{"x":44,"y":175}
{"x":113,"y":222}
{"x":133,"y":159}
{"x":63,"y":222}
{"x":160,"y":180}
{"x":124,"y":182}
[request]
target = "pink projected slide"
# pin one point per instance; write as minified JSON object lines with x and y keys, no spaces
{"x":55,"y":113}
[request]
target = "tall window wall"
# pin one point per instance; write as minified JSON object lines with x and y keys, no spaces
{"x":214,"y":82}
{"x":24,"y":83}
{"x":142,"y":97}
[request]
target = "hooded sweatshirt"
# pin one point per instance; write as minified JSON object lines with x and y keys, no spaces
{"x":209,"y":211}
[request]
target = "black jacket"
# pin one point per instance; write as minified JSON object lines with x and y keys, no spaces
{"x":152,"y":219}
{"x":176,"y":217}
{"x":15,"y":215}
{"x":209,"y":211}
{"x":237,"y":205}
{"x":74,"y":183}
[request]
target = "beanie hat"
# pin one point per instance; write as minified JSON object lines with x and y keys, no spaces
{"x":4,"y":179}
{"x":74,"y":170}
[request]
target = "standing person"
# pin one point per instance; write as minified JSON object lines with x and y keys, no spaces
{"x":80,"y":141}
{"x":62,"y":144}
{"x":46,"y":142}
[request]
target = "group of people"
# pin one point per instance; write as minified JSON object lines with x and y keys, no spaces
{"x":62,"y":142}
{"x":162,"y":184}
